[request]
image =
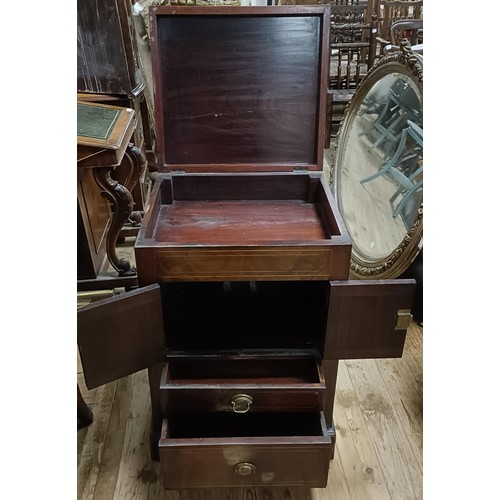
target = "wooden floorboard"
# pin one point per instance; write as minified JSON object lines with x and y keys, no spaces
{"x":378,"y":453}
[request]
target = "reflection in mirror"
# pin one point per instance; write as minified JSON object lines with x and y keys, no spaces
{"x":379,"y":166}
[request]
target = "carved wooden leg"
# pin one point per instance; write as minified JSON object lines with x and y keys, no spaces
{"x":135,"y":162}
{"x":122,"y":203}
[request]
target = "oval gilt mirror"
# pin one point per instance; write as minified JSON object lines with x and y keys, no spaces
{"x":377,"y":171}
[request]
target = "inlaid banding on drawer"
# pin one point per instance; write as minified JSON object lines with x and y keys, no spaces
{"x":242,"y":385}
{"x":249,"y":264}
{"x":260,"y":449}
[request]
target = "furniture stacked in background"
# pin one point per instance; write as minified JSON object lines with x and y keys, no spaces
{"x":362,"y":32}
{"x":393,"y":11}
{"x":391,"y":21}
{"x":410,"y":29}
{"x":352,"y":54}
{"x":111,"y":69}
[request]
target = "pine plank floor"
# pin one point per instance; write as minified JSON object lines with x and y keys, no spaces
{"x":378,"y":453}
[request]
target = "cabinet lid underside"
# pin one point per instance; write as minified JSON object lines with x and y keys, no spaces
{"x":244,"y":89}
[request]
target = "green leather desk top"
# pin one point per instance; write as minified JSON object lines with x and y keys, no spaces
{"x":95,"y":122}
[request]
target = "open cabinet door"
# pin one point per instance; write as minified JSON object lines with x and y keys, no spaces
{"x":121,"y":335}
{"x":368,"y":319}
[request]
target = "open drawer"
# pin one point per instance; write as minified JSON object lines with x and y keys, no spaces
{"x":238,"y":227}
{"x":242,"y":385}
{"x":255,"y":449}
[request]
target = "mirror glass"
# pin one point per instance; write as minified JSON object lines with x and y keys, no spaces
{"x":379,"y":164}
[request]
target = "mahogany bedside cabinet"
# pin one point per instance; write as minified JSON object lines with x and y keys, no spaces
{"x":244,"y":305}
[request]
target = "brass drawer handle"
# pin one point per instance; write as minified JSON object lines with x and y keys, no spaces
{"x":245,"y":469}
{"x":241,"y":403}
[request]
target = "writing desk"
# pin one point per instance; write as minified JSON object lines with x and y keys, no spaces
{"x":103,"y":135}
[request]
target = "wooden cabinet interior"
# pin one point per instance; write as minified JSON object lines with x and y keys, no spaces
{"x":277,"y":317}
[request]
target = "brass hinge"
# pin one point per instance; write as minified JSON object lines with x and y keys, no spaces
{"x":403,"y":319}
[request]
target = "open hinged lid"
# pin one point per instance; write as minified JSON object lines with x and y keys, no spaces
{"x":240,"y":88}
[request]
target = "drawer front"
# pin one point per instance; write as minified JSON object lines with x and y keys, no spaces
{"x":252,"y":264}
{"x":242,"y":386}
{"x":188,"y":461}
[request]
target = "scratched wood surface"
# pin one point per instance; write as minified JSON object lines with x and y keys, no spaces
{"x":215,"y":222}
{"x":378,"y":454}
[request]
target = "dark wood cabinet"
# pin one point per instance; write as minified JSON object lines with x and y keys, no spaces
{"x":263,"y":396}
{"x":106,"y":63}
{"x":245,"y":305}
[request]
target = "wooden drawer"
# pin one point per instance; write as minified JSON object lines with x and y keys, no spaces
{"x":242,"y":385}
{"x":255,"y":449}
{"x":241,"y":227}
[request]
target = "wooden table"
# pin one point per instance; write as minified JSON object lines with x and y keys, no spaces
{"x":103,"y":146}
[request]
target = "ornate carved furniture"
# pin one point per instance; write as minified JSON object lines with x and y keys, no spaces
{"x":110,"y":71}
{"x":103,"y":147}
{"x":245,"y":307}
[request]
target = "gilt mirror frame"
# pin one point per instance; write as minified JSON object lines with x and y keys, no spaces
{"x":409,"y":64}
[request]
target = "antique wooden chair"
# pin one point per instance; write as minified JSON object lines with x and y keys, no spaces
{"x":411,"y":29}
{"x":352,"y":46}
{"x":391,"y":11}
